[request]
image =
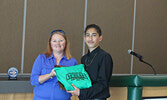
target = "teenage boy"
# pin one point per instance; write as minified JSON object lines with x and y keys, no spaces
{"x":98,"y":64}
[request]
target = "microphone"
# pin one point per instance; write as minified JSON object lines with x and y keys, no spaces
{"x":135,"y":54}
{"x":141,"y":59}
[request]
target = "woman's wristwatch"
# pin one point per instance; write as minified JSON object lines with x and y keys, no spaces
{"x":50,"y":75}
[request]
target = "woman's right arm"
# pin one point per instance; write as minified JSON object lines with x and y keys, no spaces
{"x":36,"y":71}
{"x":36,"y":77}
{"x":43,"y":78}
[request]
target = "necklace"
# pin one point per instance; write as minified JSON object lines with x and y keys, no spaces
{"x":90,"y":61}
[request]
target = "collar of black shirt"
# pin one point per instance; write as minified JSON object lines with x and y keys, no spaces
{"x":94,"y":51}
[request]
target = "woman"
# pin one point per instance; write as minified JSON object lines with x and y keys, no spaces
{"x":43,"y":75}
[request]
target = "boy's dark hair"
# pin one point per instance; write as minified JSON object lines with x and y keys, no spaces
{"x":94,"y":26}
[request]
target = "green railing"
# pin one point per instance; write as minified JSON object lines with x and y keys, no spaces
{"x":135,"y":83}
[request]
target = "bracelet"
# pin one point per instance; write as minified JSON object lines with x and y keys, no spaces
{"x":50,"y":76}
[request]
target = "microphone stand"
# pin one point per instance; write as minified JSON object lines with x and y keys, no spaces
{"x":140,"y":59}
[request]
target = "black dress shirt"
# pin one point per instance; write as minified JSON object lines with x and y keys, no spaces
{"x":99,"y":65}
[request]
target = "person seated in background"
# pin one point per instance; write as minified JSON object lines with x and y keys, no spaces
{"x":43,"y":75}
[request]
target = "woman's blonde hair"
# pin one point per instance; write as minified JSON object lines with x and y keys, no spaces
{"x":49,"y":49}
